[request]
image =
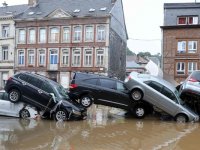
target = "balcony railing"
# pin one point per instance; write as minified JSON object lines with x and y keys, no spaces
{"x":52,"y":67}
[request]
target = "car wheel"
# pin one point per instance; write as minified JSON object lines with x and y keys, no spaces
{"x":86,"y":101}
{"x":136,"y":94}
{"x":181,"y":118}
{"x":61,"y":115}
{"x":24,"y":114}
{"x":14,"y":95}
{"x":139,"y":111}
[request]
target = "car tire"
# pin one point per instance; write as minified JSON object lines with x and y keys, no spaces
{"x":136,"y":95}
{"x":86,"y":101}
{"x":61,"y":115}
{"x":24,"y":114}
{"x":139,"y":111}
{"x":181,"y":118}
{"x":14,"y":95}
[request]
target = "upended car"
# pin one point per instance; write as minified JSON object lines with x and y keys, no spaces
{"x":20,"y":109}
{"x":160,"y":94}
{"x":190,"y":91}
{"x":46,"y":95}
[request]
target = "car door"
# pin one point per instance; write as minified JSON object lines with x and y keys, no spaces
{"x":108,"y":94}
{"x":46,"y":97}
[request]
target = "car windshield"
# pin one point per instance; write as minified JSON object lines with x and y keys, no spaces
{"x":61,"y":90}
{"x":178,"y":97}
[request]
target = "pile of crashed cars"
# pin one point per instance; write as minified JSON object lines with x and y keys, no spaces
{"x":31,"y":94}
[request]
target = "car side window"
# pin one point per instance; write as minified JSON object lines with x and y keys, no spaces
{"x":107,"y":83}
{"x":5,"y":96}
{"x":120,"y":86}
{"x":91,"y":81}
{"x":168,"y":93}
{"x":157,"y":86}
{"x":1,"y":95}
{"x":47,"y":88}
{"x":35,"y":82}
{"x":24,"y":77}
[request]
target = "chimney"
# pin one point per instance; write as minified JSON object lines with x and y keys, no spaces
{"x":32,"y":3}
{"x":4,"y":4}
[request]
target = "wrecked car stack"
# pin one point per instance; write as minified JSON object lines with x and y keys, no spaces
{"x":47,"y":96}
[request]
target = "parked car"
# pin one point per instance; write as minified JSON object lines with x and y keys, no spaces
{"x":159,"y":93}
{"x":46,"y":95}
{"x":15,"y":110}
{"x":190,"y":90}
{"x":90,"y":88}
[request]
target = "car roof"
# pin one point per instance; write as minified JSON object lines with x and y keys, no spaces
{"x":148,"y":77}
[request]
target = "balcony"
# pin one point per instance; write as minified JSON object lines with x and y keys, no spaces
{"x":52,"y":67}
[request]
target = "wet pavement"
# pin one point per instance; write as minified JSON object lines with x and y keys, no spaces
{"x":104,"y":129}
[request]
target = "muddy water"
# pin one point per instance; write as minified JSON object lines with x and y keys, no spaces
{"x":105,"y":129}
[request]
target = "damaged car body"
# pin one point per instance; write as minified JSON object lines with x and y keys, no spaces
{"x":49,"y":97}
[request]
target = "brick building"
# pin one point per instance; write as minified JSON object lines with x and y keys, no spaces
{"x":55,"y":38}
{"x":181,"y":39}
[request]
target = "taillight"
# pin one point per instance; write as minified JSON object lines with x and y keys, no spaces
{"x":193,"y":80}
{"x":72,"y":86}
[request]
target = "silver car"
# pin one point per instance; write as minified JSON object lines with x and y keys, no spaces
{"x":159,"y":93}
{"x":20,"y":109}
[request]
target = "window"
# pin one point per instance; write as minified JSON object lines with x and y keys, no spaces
{"x":184,"y":20}
{"x":181,"y":46}
{"x":89,"y":33}
{"x":21,"y":57}
{"x":77,"y":34}
{"x":100,"y":57}
{"x":107,"y":83}
{"x":191,"y":67}
{"x":31,"y":35}
{"x":53,"y":57}
{"x":42,"y":35}
{"x":120,"y":86}
{"x":156,"y":86}
{"x":192,"y":46}
{"x":4,"y":53}
{"x":88,"y":57}
{"x":101,"y":33}
{"x":180,"y":68}
{"x":41,"y":59}
{"x":5,"y":31}
{"x":168,"y":93}
{"x":35,"y":82}
{"x":22,"y":36}
{"x":91,"y":81}
{"x":65,"y":57}
{"x":47,"y":88}
{"x":66,"y":34}
{"x":54,"y":35}
{"x":31,"y":57}
{"x":76,"y":57}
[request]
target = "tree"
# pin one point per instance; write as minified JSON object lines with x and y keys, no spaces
{"x":129,"y":52}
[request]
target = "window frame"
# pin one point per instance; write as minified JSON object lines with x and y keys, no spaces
{"x":88,"y":57}
{"x":77,"y":34}
{"x":74,"y":61}
{"x":102,"y":61}
{"x":67,"y":57}
{"x":7,"y":31}
{"x":54,"y":37}
{"x":101,"y":32}
{"x":183,"y":45}
{"x":91,"y":33}
{"x":54,"y":56}
{"x":181,"y":66}
{"x":43,"y":56}
{"x":19,"y":41}
{"x":31,"y":38}
{"x":69,"y":34}
{"x":192,"y":50}
{"x":31,"y":57}
{"x":40,"y":35}
{"x":19,"y":56}
{"x":5,"y":53}
{"x":194,"y":67}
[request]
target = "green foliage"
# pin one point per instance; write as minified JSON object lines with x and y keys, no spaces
{"x":129,"y":52}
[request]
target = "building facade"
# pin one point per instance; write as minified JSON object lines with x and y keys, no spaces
{"x":181,"y":39}
{"x":7,"y":40}
{"x":59,"y":37}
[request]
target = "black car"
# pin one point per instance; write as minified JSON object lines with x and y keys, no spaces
{"x":88,"y":88}
{"x":46,"y":95}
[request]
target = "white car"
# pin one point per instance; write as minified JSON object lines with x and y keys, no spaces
{"x":20,"y":109}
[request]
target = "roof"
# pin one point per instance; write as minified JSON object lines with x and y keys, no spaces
{"x":181,"y":5}
{"x":132,"y":64}
{"x":72,"y":8}
{"x":12,"y":10}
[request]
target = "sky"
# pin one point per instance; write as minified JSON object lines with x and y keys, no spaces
{"x":143,"y":19}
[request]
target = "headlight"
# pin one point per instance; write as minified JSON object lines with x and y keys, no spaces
{"x":76,"y":112}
